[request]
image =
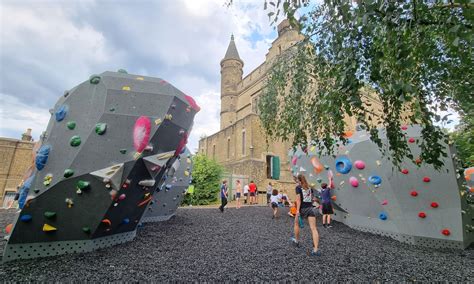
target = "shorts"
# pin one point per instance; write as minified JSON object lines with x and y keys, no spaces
{"x":327,"y":208}
{"x":246,"y":194}
{"x":252,"y":193}
{"x":237,"y":195}
{"x":306,"y":212}
{"x":274,"y":205}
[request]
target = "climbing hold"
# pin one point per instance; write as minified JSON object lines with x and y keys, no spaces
{"x":126,"y":88}
{"x":83,"y":185}
{"x":404,"y":127}
{"x":147,"y":182}
{"x":359,"y":164}
{"x":47,"y":179}
{"x":192,"y":103}
{"x":186,"y":173}
{"x":42,"y":157}
{"x":122,"y":196}
{"x":378,"y":163}
{"x":71,"y":125}
{"x":69,"y":202}
{"x":405,"y":171}
{"x":26,"y":218}
{"x":353,"y":181}
{"x":343,"y":165}
{"x":8,"y":229}
{"x":411,"y":140}
{"x":426,"y":179}
{"x":158,"y":121}
{"x":49,"y":214}
{"x":434,"y":204}
{"x":123,"y":151}
{"x":317,"y":166}
{"x":68,"y":173}
{"x":375,"y":180}
{"x":75,"y":141}
{"x":86,"y":230}
{"x":326,"y":167}
{"x":122,"y":71}
{"x":94,"y":79}
{"x":385,"y":202}
{"x":182,"y":143}
{"x":145,"y":201}
{"x":100,"y":128}
{"x":141,"y":133}
{"x":319,"y":180}
{"x":168,"y":116}
{"x":49,"y":228}
{"x":294,"y":160}
{"x":414,"y":193}
{"x":446,"y":232}
{"x":78,"y":191}
{"x":383,"y":216}
{"x":61,"y":113}
{"x":125,"y":221}
{"x":422,"y":215}
{"x":36,"y":190}
{"x":106,"y":222}
{"x":333,"y":198}
{"x":418,"y":161}
{"x":139,"y":78}
{"x":112,"y":109}
{"x":347,"y":134}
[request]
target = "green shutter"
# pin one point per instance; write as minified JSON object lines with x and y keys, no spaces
{"x":275,"y":167}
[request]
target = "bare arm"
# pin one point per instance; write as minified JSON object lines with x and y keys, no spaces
{"x":298,"y":204}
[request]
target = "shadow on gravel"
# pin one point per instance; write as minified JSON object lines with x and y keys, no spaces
{"x":245,"y":245}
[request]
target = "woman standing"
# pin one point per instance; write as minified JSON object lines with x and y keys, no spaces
{"x":238,"y":193}
{"x":305,"y":209}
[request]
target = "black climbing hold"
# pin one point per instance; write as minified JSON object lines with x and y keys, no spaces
{"x":68,"y":173}
{"x":123,"y":151}
{"x":86,"y":230}
{"x":94,"y":79}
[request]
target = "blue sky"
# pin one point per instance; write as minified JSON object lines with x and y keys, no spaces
{"x":48,"y":46}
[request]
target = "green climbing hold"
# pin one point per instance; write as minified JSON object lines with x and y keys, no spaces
{"x":112,"y":109}
{"x":94,"y":79}
{"x":123,"y":151}
{"x":75,"y":141}
{"x":86,"y":230}
{"x":83,"y":185}
{"x":49,"y":214}
{"x":68,"y":173}
{"x":122,"y":71}
{"x":100,"y":128}
{"x":71,"y":125}
{"x":319,"y":180}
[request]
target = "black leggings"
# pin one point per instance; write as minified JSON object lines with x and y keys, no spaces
{"x":223,"y":203}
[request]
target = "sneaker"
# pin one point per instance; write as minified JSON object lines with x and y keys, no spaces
{"x":324,"y":225}
{"x":315,"y":253}
{"x":329,"y":226}
{"x":295,"y":243}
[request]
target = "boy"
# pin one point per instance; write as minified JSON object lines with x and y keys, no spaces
{"x":326,"y":205}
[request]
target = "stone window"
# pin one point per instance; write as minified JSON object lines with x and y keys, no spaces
{"x":228,"y":148}
{"x":214,"y":151}
{"x":243,"y":142}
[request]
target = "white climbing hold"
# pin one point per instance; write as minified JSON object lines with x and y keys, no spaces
{"x":147,"y":182}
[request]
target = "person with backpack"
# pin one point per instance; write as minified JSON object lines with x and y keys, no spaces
{"x":305,"y":209}
{"x":326,"y":205}
{"x":223,"y":196}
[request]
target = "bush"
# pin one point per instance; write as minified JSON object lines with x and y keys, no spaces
{"x":207,"y":175}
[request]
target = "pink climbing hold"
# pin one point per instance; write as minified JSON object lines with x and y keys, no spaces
{"x":141,"y":133}
{"x":405,"y":171}
{"x":446,"y":232}
{"x":353,"y":181}
{"x":426,"y":179}
{"x":434,"y":204}
{"x":422,"y":215}
{"x":411,"y":140}
{"x":193,"y":103}
{"x":414,"y":193}
{"x":404,"y":127}
{"x":122,"y":196}
{"x":359,"y":164}
{"x":294,"y":160}
{"x":385,"y":202}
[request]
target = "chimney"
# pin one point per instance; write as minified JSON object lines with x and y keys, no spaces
{"x":27,"y":135}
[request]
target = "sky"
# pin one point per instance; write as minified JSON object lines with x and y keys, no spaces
{"x":47,"y":47}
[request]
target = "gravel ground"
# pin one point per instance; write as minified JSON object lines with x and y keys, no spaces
{"x":245,"y":245}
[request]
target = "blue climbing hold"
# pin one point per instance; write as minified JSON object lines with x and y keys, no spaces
{"x":24,"y":189}
{"x":125,"y":221}
{"x":61,"y":113}
{"x":375,"y":180}
{"x":343,"y":165}
{"x":42,"y":157}
{"x":383,"y":216}
{"x":26,"y":218}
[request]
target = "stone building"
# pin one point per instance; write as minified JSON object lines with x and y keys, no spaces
{"x":16,"y":158}
{"x":240,"y":145}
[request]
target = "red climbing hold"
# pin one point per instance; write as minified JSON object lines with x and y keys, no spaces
{"x":434,"y":204}
{"x":414,"y":193}
{"x":141,"y":133}
{"x":404,"y":127}
{"x":181,"y":145}
{"x":446,"y":232}
{"x":107,"y":222}
{"x":405,"y":171}
{"x":411,"y":140}
{"x":193,"y":103}
{"x":8,"y":228}
{"x":426,"y":179}
{"x":422,"y":215}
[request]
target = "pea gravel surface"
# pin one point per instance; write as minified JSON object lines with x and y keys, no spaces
{"x":245,"y":245}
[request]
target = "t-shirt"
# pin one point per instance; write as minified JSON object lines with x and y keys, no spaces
{"x":252,"y":187}
{"x":275,"y":198}
{"x":223,"y":191}
{"x":306,"y":196}
{"x":246,"y":189}
{"x":269,"y":189}
{"x":326,"y":195}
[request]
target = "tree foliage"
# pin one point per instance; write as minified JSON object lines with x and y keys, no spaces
{"x":207,"y":175}
{"x":414,"y":56}
{"x":463,"y":138}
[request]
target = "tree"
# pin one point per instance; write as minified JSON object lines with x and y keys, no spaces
{"x":415,"y":56}
{"x":463,"y":138}
{"x":207,"y":175}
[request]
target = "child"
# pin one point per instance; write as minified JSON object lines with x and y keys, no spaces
{"x":238,"y":193}
{"x":275,"y":198}
{"x":326,"y":205}
{"x":223,"y":196}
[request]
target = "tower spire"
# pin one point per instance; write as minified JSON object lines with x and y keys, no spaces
{"x":232,"y":52}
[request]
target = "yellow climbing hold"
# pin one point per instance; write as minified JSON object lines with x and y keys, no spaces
{"x":188,"y":160}
{"x":126,"y":88}
{"x":312,"y":148}
{"x":49,"y":228}
{"x":139,"y":78}
{"x":157,"y":121}
{"x":186,"y":173}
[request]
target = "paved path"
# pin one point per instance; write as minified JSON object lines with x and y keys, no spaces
{"x":246,"y":245}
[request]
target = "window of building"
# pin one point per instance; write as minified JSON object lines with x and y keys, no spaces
{"x":243,"y":143}
{"x":269,"y":166}
{"x":228,"y":148}
{"x":255,"y":104}
{"x":214,"y":152}
{"x":279,"y":49}
{"x":273,"y":167}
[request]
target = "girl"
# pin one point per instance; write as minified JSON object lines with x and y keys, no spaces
{"x":275,"y":198}
{"x":305,"y":209}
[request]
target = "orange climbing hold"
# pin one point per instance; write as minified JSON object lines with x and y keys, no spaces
{"x":446,"y":232}
{"x":317,"y":166}
{"x":333,"y":198}
{"x":49,"y":228}
{"x":106,"y":222}
{"x":418,"y":161}
{"x":434,"y":204}
{"x":8,"y":228}
{"x":145,"y":201}
{"x":347,"y":134}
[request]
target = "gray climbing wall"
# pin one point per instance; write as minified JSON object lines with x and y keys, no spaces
{"x":415,"y":204}
{"x":107,"y":148}
{"x":169,"y":196}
